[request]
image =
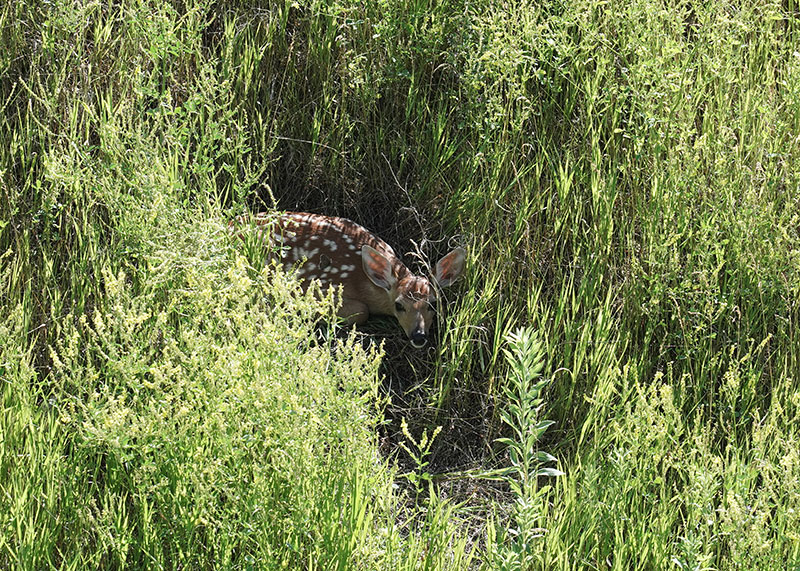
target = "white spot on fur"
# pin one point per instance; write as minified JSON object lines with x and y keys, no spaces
{"x":300,"y":253}
{"x":344,"y":275}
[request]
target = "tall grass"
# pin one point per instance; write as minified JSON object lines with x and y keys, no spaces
{"x":167,"y":403}
{"x":623,"y":177}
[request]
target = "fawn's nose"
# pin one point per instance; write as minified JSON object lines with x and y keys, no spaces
{"x":418,"y":339}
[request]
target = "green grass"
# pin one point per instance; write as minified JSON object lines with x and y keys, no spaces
{"x":624,"y":178}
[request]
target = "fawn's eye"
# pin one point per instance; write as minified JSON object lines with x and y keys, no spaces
{"x":399,"y":306}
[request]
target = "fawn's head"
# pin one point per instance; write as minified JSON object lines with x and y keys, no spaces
{"x":413,"y":297}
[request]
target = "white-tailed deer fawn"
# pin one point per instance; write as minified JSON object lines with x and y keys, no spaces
{"x":374,"y":281}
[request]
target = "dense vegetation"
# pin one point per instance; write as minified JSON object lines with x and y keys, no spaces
{"x":624,"y":177}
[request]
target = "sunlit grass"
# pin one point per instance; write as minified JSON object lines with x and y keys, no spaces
{"x":624,"y":178}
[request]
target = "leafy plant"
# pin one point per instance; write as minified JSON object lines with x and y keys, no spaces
{"x":521,"y":412}
{"x":418,"y":450}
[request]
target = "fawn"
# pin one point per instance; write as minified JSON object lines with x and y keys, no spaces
{"x":374,"y":281}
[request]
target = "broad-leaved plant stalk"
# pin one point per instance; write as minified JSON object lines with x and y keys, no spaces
{"x":522,"y":413}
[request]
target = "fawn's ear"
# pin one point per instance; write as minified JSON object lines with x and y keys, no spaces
{"x":450,"y":267}
{"x":377,"y":268}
